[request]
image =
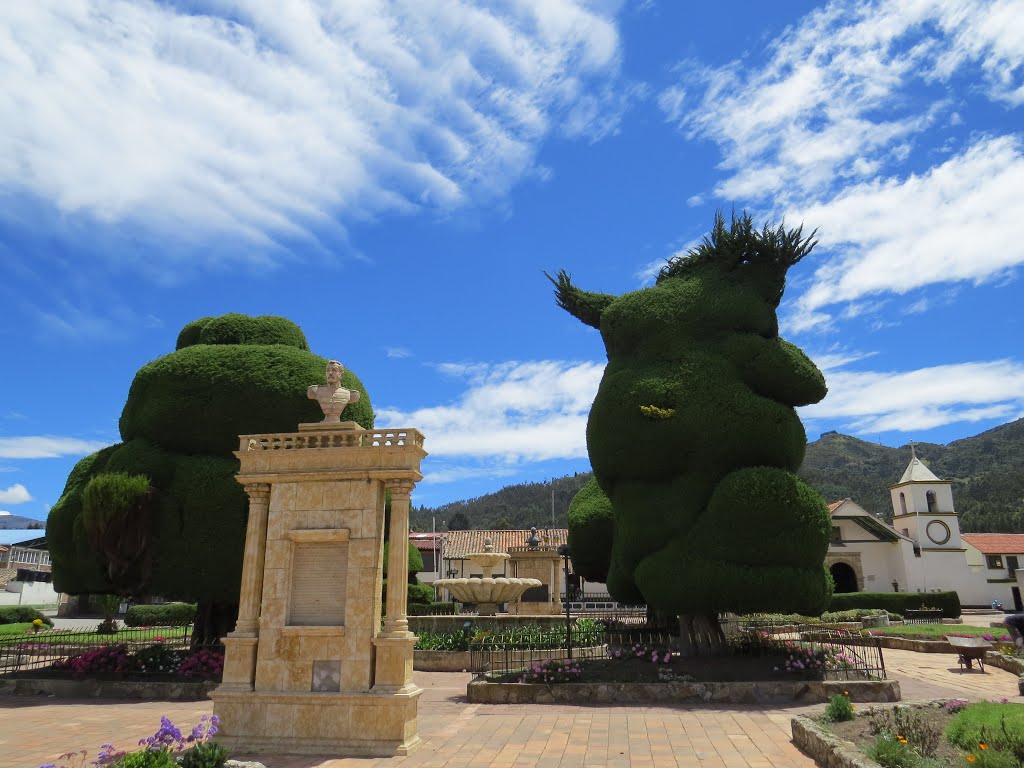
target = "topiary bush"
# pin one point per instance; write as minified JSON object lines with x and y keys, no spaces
{"x":228,"y":376}
{"x":158,"y":615}
{"x":694,"y":438}
{"x":591,"y":525}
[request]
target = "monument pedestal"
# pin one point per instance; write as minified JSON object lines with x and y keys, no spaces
{"x":307,"y":670}
{"x":366,"y":724}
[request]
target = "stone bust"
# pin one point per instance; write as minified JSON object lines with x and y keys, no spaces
{"x":332,"y":396}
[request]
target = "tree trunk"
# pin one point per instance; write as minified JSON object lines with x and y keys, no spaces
{"x":700,"y":634}
{"x":213,"y":621}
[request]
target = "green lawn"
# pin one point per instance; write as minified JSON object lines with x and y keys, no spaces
{"x":937,"y":631}
{"x":89,"y":636}
{"x":1001,"y":725}
{"x":15,"y":629}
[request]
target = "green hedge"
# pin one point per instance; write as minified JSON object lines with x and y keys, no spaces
{"x":156,"y":615}
{"x":898,"y":602}
{"x":19,"y":614}
{"x":856,"y":614}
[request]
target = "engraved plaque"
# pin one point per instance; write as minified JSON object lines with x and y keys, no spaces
{"x":318,"y":584}
{"x":326,"y":676}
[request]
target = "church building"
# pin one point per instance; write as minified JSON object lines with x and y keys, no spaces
{"x":923,"y":550}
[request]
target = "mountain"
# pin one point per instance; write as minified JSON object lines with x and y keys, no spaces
{"x":987,"y":472}
{"x":7,"y":520}
{"x":513,"y":507}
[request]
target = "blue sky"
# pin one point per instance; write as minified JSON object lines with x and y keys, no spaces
{"x":396,"y":177}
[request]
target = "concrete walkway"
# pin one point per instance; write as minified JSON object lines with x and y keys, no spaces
{"x":459,"y":735}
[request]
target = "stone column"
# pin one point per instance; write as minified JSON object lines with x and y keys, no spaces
{"x":251,"y":594}
{"x":398,"y":558}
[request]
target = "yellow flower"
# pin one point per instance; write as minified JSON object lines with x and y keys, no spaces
{"x":971,"y":758}
{"x":902,"y":739}
{"x":846,"y":693}
{"x":853,"y":706}
{"x":982,"y":745}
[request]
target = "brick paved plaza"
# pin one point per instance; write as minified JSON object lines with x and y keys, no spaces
{"x":462,"y":735}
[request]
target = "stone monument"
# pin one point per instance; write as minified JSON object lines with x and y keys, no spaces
{"x":308,"y":669}
{"x":539,"y":561}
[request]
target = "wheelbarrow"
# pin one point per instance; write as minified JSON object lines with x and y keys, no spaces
{"x":969,"y":649}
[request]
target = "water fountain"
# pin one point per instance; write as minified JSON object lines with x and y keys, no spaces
{"x":486,"y":591}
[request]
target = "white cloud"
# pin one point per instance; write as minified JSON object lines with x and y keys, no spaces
{"x":455,"y":474}
{"x":868,"y":402}
{"x":959,"y":222}
{"x":397,"y":353}
{"x":46,"y":447}
{"x":516,"y":411}
{"x":16,"y":494}
{"x":832,"y":102}
{"x":262,"y":121}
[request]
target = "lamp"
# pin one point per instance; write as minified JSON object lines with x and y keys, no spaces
{"x":564,"y":553}
{"x":895,"y":586}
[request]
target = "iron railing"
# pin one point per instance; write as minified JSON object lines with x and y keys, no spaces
{"x":802,"y":649}
{"x":134,"y":650}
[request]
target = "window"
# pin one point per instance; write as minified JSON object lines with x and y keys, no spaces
{"x":837,"y":536}
{"x":994,"y":561}
{"x":903,"y":504}
{"x":1012,"y":564}
{"x":905,"y":532}
{"x":932,"y":504}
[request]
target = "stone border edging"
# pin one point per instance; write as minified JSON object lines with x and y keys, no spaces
{"x":1002,"y":661}
{"x":755,"y":692}
{"x":107,"y":689}
{"x":824,"y":748}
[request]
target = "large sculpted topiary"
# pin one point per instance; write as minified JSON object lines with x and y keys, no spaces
{"x":161,"y":512}
{"x":694,"y":439}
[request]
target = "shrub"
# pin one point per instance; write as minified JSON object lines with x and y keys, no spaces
{"x":856,"y":614}
{"x":422,"y":594}
{"x":208,"y":754}
{"x":202,"y":665}
{"x":553,"y":671}
{"x":900,"y":602}
{"x":110,"y":659}
{"x":159,"y":615}
{"x":839,"y":709}
{"x":158,"y":658}
{"x":892,"y":752}
{"x":441,"y":641}
{"x":22,"y":614}
{"x":907,"y":724}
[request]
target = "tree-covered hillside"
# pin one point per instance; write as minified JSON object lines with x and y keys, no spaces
{"x":987,"y":472}
{"x":513,"y":507}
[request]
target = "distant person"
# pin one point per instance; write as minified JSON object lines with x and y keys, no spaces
{"x":996,"y":605}
{"x":1015,"y":623}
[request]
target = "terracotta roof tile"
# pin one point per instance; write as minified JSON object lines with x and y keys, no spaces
{"x":996,"y":543}
{"x":462,"y":543}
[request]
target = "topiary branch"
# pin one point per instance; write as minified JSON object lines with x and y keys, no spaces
{"x":742,"y":244}
{"x":583,"y":305}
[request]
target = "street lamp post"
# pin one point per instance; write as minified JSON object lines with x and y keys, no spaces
{"x":563,"y":550}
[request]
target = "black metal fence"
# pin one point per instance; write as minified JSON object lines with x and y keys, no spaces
{"x":799,"y":649}
{"x":132,"y":650}
{"x":922,"y":616}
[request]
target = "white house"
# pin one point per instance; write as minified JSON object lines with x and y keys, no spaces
{"x":923,"y":550}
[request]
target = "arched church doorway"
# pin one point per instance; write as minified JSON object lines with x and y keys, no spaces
{"x":844,"y":577}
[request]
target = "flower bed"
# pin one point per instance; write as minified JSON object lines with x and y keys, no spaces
{"x":933,"y":734}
